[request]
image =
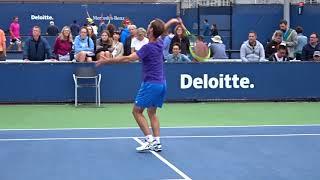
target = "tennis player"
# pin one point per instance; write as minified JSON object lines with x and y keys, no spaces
{"x":153,"y":88}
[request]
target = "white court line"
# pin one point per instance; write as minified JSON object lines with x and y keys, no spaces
{"x":163,"y":137}
{"x":177,"y":127}
{"x":166,"y":162}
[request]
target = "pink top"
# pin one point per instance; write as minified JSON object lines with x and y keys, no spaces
{"x":62,"y":47}
{"x":15,"y":29}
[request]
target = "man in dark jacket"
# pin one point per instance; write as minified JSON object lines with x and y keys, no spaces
{"x":37,"y":48}
{"x":313,"y":45}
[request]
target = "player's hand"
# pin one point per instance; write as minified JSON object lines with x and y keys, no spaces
{"x":103,"y":60}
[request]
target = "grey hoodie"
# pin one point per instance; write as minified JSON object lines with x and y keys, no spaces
{"x":252,"y":54}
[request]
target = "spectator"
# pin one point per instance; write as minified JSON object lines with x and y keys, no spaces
{"x":302,"y":41}
{"x":3,"y":52}
{"x":176,"y":55}
{"x":111,"y":28}
{"x":127,"y":45}
{"x":316,"y":56}
{"x":218,"y":49}
{"x":252,"y":50}
{"x":139,"y":41}
{"x":280,"y":55}
{"x":104,"y":45}
{"x":125,"y":33}
{"x":273,"y":45}
{"x":93,"y":26}
{"x":313,"y":45}
{"x":83,"y":46}
{"x":201,"y":50}
{"x":36,"y":47}
{"x":52,"y":29}
{"x":92,"y":35}
{"x":15,"y":38}
{"x":75,"y":28}
{"x":63,"y":45}
{"x":102,"y":26}
{"x":166,"y":44}
{"x":290,"y":37}
{"x":206,"y":28}
{"x":117,"y":45}
{"x":181,"y":38}
{"x":213,"y":30}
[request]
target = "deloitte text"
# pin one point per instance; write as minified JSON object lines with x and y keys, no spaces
{"x":41,"y":17}
{"x":222,"y":81}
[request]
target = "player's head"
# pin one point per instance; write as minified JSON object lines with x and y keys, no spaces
{"x":283,"y":25}
{"x":156,"y":28}
{"x":176,"y":48}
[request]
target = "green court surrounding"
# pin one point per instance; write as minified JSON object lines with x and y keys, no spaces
{"x":172,"y":115}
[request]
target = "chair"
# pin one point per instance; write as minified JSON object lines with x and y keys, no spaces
{"x":87,"y":73}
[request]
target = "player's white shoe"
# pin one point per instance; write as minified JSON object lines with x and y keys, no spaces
{"x":146,"y":146}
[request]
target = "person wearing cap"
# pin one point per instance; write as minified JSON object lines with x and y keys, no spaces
{"x":281,"y":54}
{"x":125,"y":33}
{"x":139,"y":41}
{"x":52,"y":29}
{"x":316,"y":56}
{"x":273,"y":45}
{"x":217,"y":48}
{"x":252,"y":50}
{"x":309,"y":49}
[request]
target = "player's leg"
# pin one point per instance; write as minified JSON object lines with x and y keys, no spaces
{"x":143,"y":124}
{"x":155,"y":124}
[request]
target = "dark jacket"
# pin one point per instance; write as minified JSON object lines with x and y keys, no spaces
{"x":127,"y":46}
{"x":273,"y":58}
{"x":271,"y":48}
{"x":184,"y":42}
{"x":307,"y":52}
{"x":37,"y":50}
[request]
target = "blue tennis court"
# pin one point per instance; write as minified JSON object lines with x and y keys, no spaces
{"x":242,"y":153}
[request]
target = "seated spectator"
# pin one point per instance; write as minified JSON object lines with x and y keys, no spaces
{"x":104,"y":45}
{"x":92,"y":35}
{"x":273,"y":45}
{"x":83,"y":46}
{"x":200,"y":51}
{"x":316,"y":56}
{"x":63,"y":45}
{"x":313,"y":45}
{"x":252,"y":50}
{"x":127,"y":46}
{"x":176,"y":55}
{"x":36,"y":47}
{"x":302,"y":41}
{"x":117,"y":45}
{"x":3,"y":52}
{"x":218,"y":49}
{"x":280,"y":55}
{"x":52,"y":29}
{"x":290,"y":37}
{"x":139,"y":41}
{"x":181,"y":38}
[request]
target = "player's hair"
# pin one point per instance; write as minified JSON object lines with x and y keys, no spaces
{"x":158,"y":28}
{"x":177,"y":44}
{"x":285,"y":22}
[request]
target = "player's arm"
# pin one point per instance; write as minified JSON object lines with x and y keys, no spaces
{"x":119,"y":59}
{"x":171,"y":22}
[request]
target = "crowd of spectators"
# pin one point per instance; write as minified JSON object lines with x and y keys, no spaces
{"x":90,"y":42}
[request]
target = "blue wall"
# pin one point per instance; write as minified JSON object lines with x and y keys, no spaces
{"x":64,"y":14}
{"x":52,"y":82}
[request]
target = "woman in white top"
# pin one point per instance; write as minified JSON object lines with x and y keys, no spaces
{"x":139,"y":41}
{"x":117,"y":46}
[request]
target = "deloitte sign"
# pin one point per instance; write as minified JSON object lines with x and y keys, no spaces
{"x":222,"y":81}
{"x":34,"y":17}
